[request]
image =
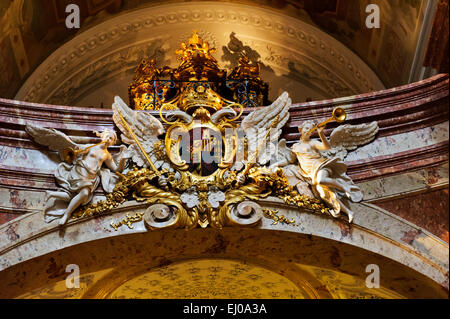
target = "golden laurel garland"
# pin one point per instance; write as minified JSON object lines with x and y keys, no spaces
{"x":140,"y":184}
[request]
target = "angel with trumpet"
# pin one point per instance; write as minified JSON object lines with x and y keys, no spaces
{"x":320,"y":163}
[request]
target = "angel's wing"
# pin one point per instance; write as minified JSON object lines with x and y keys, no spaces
{"x":284,"y":153}
{"x":256,"y":125}
{"x":146,"y":129}
{"x":53,"y":139}
{"x":348,"y":137}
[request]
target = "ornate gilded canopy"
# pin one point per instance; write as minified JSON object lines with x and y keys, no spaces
{"x":152,"y":87}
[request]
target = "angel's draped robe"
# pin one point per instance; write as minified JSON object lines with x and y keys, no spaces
{"x":73,"y":178}
{"x":310,"y":163}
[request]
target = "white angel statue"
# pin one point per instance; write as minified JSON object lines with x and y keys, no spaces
{"x":80,"y":175}
{"x":321,"y":165}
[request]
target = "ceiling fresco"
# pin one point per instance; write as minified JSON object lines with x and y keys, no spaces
{"x":217,"y":279}
{"x":294,"y":56}
{"x":207,"y":263}
{"x":31,"y":31}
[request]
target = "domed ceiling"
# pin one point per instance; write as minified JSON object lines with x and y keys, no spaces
{"x":217,"y":279}
{"x":312,"y":49}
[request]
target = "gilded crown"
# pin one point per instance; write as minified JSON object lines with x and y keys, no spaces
{"x":195,"y":81}
{"x":199,"y":95}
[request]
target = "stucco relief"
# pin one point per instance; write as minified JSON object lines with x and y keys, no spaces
{"x":106,"y":68}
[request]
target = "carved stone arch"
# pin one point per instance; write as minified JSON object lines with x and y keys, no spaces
{"x":318,"y":257}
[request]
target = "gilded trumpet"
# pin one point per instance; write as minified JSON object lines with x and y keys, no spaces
{"x":69,"y":154}
{"x":339,"y":115}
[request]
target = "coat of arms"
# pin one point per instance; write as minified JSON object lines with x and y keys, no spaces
{"x":195,"y":165}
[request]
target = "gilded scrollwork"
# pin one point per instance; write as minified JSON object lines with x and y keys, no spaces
{"x":195,"y":171}
{"x":273,"y":214}
{"x":128,"y":220}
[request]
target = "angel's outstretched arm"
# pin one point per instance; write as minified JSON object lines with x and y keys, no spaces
{"x":116,"y":167}
{"x":325,"y":145}
{"x":281,"y":163}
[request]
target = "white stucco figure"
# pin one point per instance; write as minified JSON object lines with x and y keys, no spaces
{"x":321,"y":165}
{"x":82,"y":171}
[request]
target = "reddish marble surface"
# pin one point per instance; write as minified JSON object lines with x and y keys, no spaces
{"x":397,"y":110}
{"x":361,"y":170}
{"x":429,"y":210}
{"x":6,"y":217}
{"x":437,"y":50}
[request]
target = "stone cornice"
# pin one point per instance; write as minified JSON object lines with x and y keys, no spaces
{"x":28,"y":237}
{"x":410,"y":160}
{"x":397,"y":110}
